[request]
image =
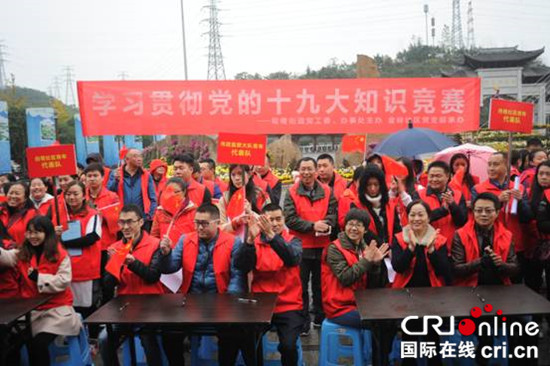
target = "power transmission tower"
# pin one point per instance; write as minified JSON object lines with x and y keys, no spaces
{"x":3,"y":78}
{"x":56,"y":88}
{"x":456,"y":33}
{"x":69,"y":85}
{"x":216,"y":70}
{"x":470,"y":38}
{"x":122,"y":75}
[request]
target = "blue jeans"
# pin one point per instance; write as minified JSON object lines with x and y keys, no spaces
{"x":349,"y":319}
{"x":149,"y":342}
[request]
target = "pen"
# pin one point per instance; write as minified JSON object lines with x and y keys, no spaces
{"x":123,"y":306}
{"x":248,"y":301}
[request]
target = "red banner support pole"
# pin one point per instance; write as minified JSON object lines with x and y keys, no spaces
{"x":56,"y":201}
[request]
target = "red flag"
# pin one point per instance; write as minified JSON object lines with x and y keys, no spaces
{"x":351,"y":143}
{"x":458,"y":179}
{"x":114,"y":265}
{"x":235,"y":207}
{"x":171,"y":201}
{"x":110,"y":215}
{"x":122,"y":152}
{"x":393,"y":169}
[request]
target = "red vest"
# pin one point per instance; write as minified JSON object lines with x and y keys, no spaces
{"x":221,"y":259}
{"x":527,"y":177}
{"x":260,"y":183}
{"x":340,"y":185}
{"x":9,"y":277}
{"x":271,"y":179}
{"x":131,"y":283}
{"x":310,"y":211}
{"x":46,"y":207}
{"x":223,"y":186}
{"x":183,"y":223}
{"x":17,"y":225}
{"x":389,"y":223}
{"x":445,"y":225}
{"x":344,"y":205}
{"x":159,"y":186}
{"x":29,"y":287}
{"x":510,"y":221}
{"x":195,"y":192}
{"x":144,"y":188}
{"x":502,"y":239}
{"x":104,"y":198}
{"x":271,"y":275}
{"x":106,"y":174}
{"x":337,"y":299}
{"x":402,"y":279}
{"x":86,"y":266}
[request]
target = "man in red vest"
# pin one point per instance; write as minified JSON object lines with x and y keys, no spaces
{"x":273,"y":255}
{"x":497,"y":184}
{"x":139,"y":275}
{"x":206,"y":259}
{"x":310,"y":211}
{"x":448,"y":206}
{"x":264,"y":173}
{"x":183,"y":168}
{"x":329,"y":176}
{"x":135,"y":185}
{"x":208,"y":172}
{"x":483,"y":250}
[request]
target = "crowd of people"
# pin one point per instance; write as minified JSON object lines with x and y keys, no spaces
{"x":322,"y":237}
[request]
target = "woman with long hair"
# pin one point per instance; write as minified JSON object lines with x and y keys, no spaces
{"x":536,"y":157}
{"x":461,"y":161}
{"x":45,"y":269}
{"x":17,"y":211}
{"x":80,"y":234}
{"x":253,"y":199}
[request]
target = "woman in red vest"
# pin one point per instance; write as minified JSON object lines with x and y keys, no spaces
{"x":232,"y":216}
{"x":9,"y":277}
{"x":81,"y":238}
{"x":175,"y":214}
{"x":42,"y":200}
{"x":461,"y":161}
{"x":349,"y":264}
{"x":419,"y":253}
{"x":158,"y":170}
{"x":537,"y":258}
{"x":536,"y":157}
{"x":17,"y":211}
{"x":44,"y":269}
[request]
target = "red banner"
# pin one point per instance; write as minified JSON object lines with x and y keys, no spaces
{"x":51,"y":161}
{"x":242,"y":149}
{"x":278,"y":106}
{"x":351,"y":143}
{"x":509,"y":115}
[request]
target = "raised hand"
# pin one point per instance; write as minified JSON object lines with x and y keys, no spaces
{"x":165,"y":245}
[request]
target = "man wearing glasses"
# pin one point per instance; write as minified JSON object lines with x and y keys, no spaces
{"x":483,"y":250}
{"x":206,"y":258}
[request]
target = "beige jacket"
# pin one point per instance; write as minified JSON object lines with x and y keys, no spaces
{"x":62,"y":320}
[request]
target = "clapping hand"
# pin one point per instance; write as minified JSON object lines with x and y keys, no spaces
{"x":374,"y":254}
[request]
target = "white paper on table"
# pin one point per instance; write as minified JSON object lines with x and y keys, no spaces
{"x":391,"y":271}
{"x":514,"y":209}
{"x":173,"y":280}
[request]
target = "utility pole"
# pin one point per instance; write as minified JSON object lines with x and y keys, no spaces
{"x":426,"y":10}
{"x":216,"y":70}
{"x":183,"y":38}
{"x":56,"y":88}
{"x":433,"y":31}
{"x":69,"y":85}
{"x":471,"y":40}
{"x":3,"y":78}
{"x":456,"y":32}
{"x":122,"y":75}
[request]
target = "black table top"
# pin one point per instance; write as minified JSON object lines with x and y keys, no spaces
{"x":199,"y":309}
{"x":395,"y":304}
{"x":12,"y":309}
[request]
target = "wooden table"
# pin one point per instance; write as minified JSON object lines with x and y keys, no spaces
{"x":186,"y":313}
{"x":11,"y":326}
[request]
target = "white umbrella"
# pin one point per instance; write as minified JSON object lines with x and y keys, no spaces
{"x":478,"y":155}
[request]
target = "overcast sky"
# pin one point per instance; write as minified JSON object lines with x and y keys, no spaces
{"x":101,"y":38}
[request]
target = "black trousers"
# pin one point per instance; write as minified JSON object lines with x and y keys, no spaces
{"x":311,"y":268}
{"x":289,"y":325}
{"x":37,"y":347}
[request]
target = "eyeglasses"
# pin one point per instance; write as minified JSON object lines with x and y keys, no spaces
{"x":123,"y":223}
{"x":482,"y":210}
{"x":205,"y":223}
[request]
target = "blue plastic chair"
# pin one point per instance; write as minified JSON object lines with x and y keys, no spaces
{"x":204,"y":352}
{"x":140,"y":353}
{"x":334,"y":352}
{"x":270,"y":346}
{"x":66,"y":351}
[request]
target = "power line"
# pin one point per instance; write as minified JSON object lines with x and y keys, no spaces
{"x":69,"y":85}
{"x":216,"y":70}
{"x":123,"y":75}
{"x":456,"y":32}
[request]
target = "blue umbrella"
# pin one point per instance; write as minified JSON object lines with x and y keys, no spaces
{"x":412,"y":141}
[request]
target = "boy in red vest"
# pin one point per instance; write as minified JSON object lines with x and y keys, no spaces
{"x":310,"y":211}
{"x":134,"y":185}
{"x":184,"y":166}
{"x":449,"y":211}
{"x":273,"y":255}
{"x":483,"y":250}
{"x":140,"y":274}
{"x":206,"y":257}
